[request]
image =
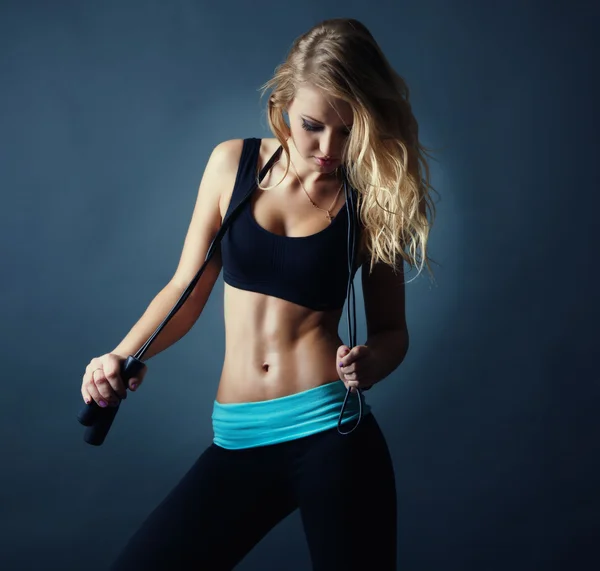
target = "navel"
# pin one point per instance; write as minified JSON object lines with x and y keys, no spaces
{"x":265,"y":367}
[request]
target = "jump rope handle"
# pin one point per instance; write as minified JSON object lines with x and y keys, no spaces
{"x":98,"y":419}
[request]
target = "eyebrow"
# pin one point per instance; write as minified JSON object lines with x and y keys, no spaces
{"x":321,"y":122}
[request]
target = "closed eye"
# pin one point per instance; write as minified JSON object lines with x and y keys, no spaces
{"x":309,"y":126}
{"x":312,"y":127}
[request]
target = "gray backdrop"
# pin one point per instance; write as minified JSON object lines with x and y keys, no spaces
{"x":108,"y":113}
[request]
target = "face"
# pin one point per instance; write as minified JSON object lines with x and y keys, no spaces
{"x":320,"y":127}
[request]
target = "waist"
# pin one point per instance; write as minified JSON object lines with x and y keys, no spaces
{"x":261,"y":423}
{"x":275,"y":319}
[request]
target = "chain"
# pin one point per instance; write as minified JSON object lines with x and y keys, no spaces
{"x":328,"y":210}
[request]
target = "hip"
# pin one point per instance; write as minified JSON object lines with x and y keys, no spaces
{"x":294,"y":416}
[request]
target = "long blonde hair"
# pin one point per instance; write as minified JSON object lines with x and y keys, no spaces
{"x":383,"y":158}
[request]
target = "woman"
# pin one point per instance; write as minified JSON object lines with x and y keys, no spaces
{"x":286,"y":372}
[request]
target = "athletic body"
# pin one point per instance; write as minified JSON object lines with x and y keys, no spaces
{"x":282,"y":360}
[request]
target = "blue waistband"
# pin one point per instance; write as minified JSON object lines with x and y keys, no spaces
{"x":249,"y":424}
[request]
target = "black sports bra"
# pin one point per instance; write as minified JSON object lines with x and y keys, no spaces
{"x":311,"y":271}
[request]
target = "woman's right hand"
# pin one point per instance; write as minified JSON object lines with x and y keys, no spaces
{"x":102,"y":380}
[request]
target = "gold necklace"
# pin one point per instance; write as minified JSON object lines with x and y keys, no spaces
{"x":328,"y":210}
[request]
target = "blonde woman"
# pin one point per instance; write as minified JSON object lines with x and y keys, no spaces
{"x":277,"y":445}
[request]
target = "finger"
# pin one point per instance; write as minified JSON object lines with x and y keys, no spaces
{"x":343,"y":363}
{"x":343,"y":351}
{"x":93,"y":391}
{"x":354,"y":354}
{"x":340,"y":370}
{"x":357,"y":354}
{"x":86,"y":395}
{"x":352,"y":385}
{"x":89,"y":392}
{"x":348,"y":369}
{"x":89,"y":370}
{"x":104,"y":388}
{"x":112,"y":373}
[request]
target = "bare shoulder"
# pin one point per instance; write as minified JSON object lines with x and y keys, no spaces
{"x":227,"y":157}
{"x":229,"y":152}
{"x":216,"y":185}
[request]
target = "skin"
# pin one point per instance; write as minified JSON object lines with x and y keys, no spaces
{"x":274,"y":347}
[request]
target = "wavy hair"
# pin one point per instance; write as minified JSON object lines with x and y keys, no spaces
{"x":384,"y":160}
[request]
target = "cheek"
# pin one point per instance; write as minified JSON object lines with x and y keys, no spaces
{"x":305,"y":142}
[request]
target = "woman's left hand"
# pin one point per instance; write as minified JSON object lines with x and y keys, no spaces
{"x":356,"y":367}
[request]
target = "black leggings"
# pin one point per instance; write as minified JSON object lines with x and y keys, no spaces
{"x":229,"y":500}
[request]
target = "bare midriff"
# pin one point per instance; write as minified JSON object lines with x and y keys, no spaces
{"x":275,"y":348}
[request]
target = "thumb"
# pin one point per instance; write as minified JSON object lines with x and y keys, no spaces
{"x":135,"y":382}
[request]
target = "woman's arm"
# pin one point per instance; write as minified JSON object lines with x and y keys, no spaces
{"x":206,"y":219}
{"x":385,"y":309}
{"x":158,"y":309}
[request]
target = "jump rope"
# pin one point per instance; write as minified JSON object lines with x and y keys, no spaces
{"x":99,"y":420}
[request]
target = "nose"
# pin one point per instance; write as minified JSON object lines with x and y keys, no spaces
{"x":329,"y":145}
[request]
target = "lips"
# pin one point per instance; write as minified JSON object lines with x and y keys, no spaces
{"x":325,"y":162}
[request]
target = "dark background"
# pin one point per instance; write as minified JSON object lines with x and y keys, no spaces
{"x":108,"y":113}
